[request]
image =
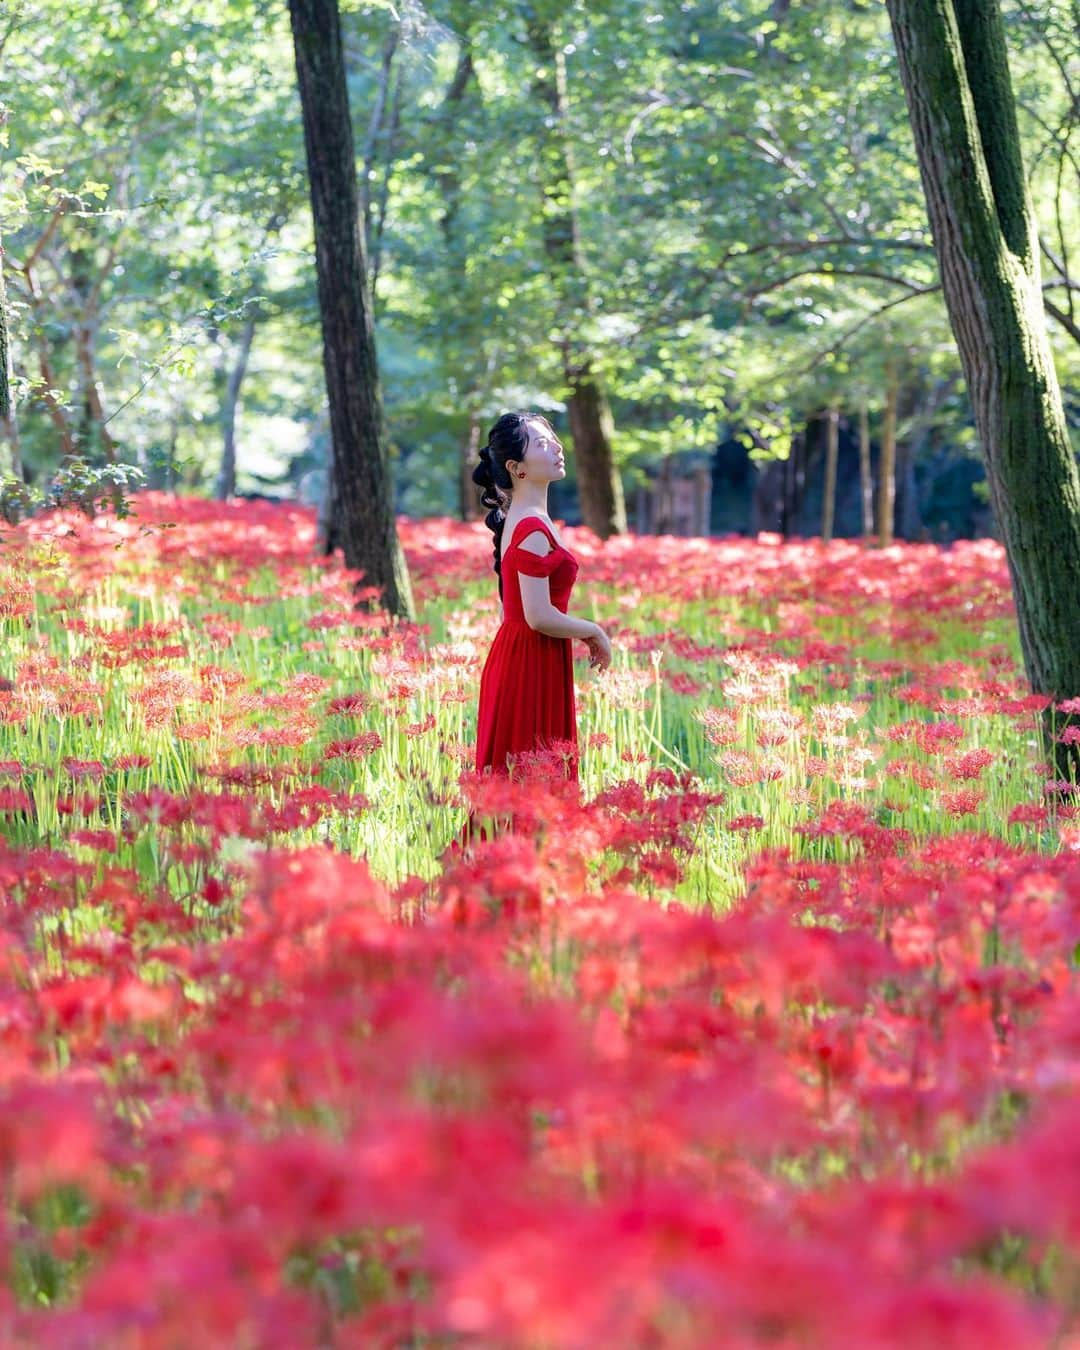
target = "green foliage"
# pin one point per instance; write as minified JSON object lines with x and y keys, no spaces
{"x":76,"y":485}
{"x":751,"y":233}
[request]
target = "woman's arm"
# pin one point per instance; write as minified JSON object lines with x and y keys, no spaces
{"x":540,"y":613}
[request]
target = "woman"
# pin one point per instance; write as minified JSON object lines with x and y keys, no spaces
{"x":527,"y":685}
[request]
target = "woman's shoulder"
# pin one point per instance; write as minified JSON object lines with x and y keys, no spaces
{"x":515,"y":532}
{"x":531,"y":524}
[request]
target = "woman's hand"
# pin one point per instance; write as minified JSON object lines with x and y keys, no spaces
{"x":599,"y":650}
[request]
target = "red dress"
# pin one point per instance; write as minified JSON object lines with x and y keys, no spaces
{"x":527,"y":685}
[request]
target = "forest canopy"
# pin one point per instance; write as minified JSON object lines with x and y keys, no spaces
{"x":751,"y":246}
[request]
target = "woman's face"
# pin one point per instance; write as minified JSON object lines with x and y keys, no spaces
{"x":545,"y":460}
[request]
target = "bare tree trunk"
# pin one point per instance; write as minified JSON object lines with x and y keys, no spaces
{"x":48,"y":396}
{"x":92,"y":401}
{"x":226,"y":484}
{"x":470,"y":457}
{"x":8,"y":419}
{"x":832,"y":454}
{"x":702,"y":500}
{"x":448,"y":177}
{"x":918,"y":421}
{"x":384,"y":188}
{"x":361,"y":466}
{"x":794,"y":482}
{"x":227,"y":386}
{"x":591,"y":428}
{"x":603,"y":507}
{"x":375,"y":131}
{"x":954,"y":66}
{"x":86,"y":276}
{"x":47,"y":393}
{"x":170,"y":452}
{"x":5,"y":348}
{"x":866,"y":483}
{"x":908,"y":515}
{"x":887,"y":462}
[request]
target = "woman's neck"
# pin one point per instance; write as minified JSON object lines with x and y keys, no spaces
{"x":528,"y":497}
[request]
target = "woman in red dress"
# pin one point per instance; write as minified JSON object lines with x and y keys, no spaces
{"x":527,"y":686}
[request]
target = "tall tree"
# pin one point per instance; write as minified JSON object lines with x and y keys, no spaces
{"x":832,"y":455}
{"x":5,"y":350}
{"x":887,"y":463}
{"x":954,"y":66}
{"x":9,"y":424}
{"x":588,"y":410}
{"x":866,"y":483}
{"x":447,"y":174}
{"x":361,"y":471}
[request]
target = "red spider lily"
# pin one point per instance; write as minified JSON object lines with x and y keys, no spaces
{"x":1029,"y":813}
{"x":964,"y":802}
{"x":744,"y":824}
{"x":968,"y":765}
{"x":354,"y":747}
{"x":50,"y":1135}
{"x":13,"y":800}
{"x":349,"y":705}
{"x":827,"y":1115}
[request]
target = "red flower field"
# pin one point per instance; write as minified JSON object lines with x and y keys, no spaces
{"x":767,"y":1038}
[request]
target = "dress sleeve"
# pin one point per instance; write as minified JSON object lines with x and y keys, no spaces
{"x":532,"y":565}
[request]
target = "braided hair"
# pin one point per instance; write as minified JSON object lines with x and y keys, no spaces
{"x":507,"y":439}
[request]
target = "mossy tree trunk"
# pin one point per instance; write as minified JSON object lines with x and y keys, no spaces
{"x":360,"y":462}
{"x":954,"y":67}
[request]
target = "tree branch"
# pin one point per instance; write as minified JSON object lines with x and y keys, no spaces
{"x":754,"y":291}
{"x":1066,"y":320}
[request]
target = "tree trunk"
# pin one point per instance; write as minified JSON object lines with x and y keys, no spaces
{"x":455,"y":250}
{"x":908,"y":515}
{"x":94,"y":421}
{"x":8,"y":420}
{"x":170,"y":452}
{"x":919,"y":423}
{"x":85,"y":280}
{"x":832,"y":454}
{"x":887,"y":462}
{"x":470,"y":457}
{"x":866,"y":482}
{"x":794,"y":483}
{"x":5,"y":350}
{"x":360,"y":461}
{"x":603,"y":508}
{"x":702,"y":501}
{"x":954,"y":67}
{"x":226,"y":484}
{"x":375,"y":132}
{"x":48,"y":396}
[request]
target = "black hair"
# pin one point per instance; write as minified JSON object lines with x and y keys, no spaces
{"x":507,"y":439}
